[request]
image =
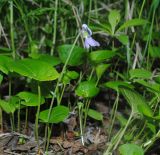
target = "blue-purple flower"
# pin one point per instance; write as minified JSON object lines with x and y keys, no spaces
{"x":89,"y":41}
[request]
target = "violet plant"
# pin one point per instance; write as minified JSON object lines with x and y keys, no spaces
{"x":49,"y":80}
{"x":87,"y":34}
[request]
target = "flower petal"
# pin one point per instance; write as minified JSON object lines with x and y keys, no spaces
{"x":86,"y":44}
{"x":92,"y":42}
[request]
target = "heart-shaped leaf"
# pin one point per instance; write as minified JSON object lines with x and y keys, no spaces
{"x":58,"y":114}
{"x":69,"y":75}
{"x":77,"y":57}
{"x":35,"y":69}
{"x":11,"y":105}
{"x":52,"y":60}
{"x":130,"y":149}
{"x":101,"y":55}
{"x":4,"y":61}
{"x":29,"y":99}
{"x":87,"y":89}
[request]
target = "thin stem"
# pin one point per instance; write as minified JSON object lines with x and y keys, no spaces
{"x":48,"y":138}
{"x":91,"y":74}
{"x":113,"y":115}
{"x":149,"y":38}
{"x":123,"y":131}
{"x":63,"y":89}
{"x":87,"y":104}
{"x":26,"y":119}
{"x":24,"y":20}
{"x":80,"y":110}
{"x":151,"y":141}
{"x":140,"y":14}
{"x":45,"y":136}
{"x":61,"y":75}
{"x":90,"y":8}
{"x":113,"y":140}
{"x":37,"y":114}
{"x":19,"y":119}
{"x":96,"y":10}
{"x":11,"y":121}
{"x":12,"y":30}
{"x":10,"y":92}
{"x":1,"y":120}
{"x":140,"y":132}
{"x":58,"y":81}
{"x":55,"y":27}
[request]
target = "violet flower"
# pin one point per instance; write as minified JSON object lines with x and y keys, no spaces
{"x":89,"y":41}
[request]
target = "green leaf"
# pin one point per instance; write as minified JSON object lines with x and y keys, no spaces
{"x":152,"y":127}
{"x":10,"y":106}
{"x":5,"y":50}
{"x":140,"y":73}
{"x":46,"y":88}
{"x":4,"y":61}
{"x":123,"y":39}
{"x":115,"y":85}
{"x":58,"y":114}
{"x":1,"y":78}
{"x":29,"y":99}
{"x":132,"y":22}
{"x":52,"y":60}
{"x":35,"y":69}
{"x":114,"y":18}
{"x":102,"y":27}
{"x":150,"y":86}
{"x":130,"y":149}
{"x":87,"y":89}
{"x":77,"y":56}
{"x":70,"y":75}
{"x":100,"y":69}
{"x":154,"y":51}
{"x":101,"y":55}
{"x":136,"y":101}
{"x":95,"y":115}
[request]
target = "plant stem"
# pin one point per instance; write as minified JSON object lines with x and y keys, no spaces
{"x":48,"y":138}
{"x":10,"y":92}
{"x":24,"y":20}
{"x":45,"y":135}
{"x":12,"y":30}
{"x":140,"y":14}
{"x":90,"y":8}
{"x":19,"y":119}
{"x":123,"y":131}
{"x":26,"y":119}
{"x":37,"y":114}
{"x":11,"y":121}
{"x":113,"y":115}
{"x":1,"y":120}
{"x":58,"y":81}
{"x":87,"y":103}
{"x":80,"y":110}
{"x":55,"y":27}
{"x":61,"y":75}
{"x":62,"y":92}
